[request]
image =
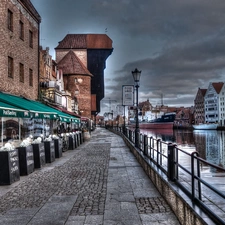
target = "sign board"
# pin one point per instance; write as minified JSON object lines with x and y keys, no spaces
{"x":128,"y":95}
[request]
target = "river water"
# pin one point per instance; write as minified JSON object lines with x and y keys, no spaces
{"x":210,"y":144}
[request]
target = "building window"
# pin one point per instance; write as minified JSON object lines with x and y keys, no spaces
{"x":21,"y":30}
{"x":31,"y":77}
{"x":10,"y":20}
{"x":10,"y":67}
{"x":30,"y":38}
{"x":21,"y":72}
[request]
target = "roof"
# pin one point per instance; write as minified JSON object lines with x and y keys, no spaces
{"x":29,"y":6}
{"x":218,"y":86}
{"x":85,"y":41}
{"x":71,"y":64}
{"x":203,"y":91}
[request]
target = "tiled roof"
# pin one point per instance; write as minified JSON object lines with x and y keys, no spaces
{"x":85,"y":41}
{"x":71,"y":64}
{"x":218,"y":86}
{"x":29,"y":6}
{"x":203,"y":91}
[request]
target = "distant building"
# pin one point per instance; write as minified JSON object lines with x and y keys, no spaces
{"x":77,"y":81}
{"x":215,"y":103}
{"x":82,"y":58}
{"x":19,"y":46}
{"x":144,"y":107}
{"x":184,"y":117}
{"x":199,"y":106}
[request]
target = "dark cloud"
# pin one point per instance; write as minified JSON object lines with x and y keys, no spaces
{"x":178,"y":45}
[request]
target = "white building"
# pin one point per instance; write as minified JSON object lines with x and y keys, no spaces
{"x":214,"y":103}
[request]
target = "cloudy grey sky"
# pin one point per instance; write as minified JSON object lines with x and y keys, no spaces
{"x":179,"y":45}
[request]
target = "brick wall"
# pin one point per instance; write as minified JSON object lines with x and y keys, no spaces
{"x":12,"y":45}
{"x":84,"y":92}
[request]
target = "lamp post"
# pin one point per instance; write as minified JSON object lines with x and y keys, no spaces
{"x":136,"y":75}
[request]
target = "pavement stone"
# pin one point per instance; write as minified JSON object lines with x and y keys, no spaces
{"x":100,"y":182}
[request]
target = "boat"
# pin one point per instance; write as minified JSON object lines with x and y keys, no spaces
{"x":205,"y":126}
{"x":164,"y":122}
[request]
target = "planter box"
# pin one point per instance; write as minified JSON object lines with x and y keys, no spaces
{"x":26,"y":160}
{"x":71,"y":143}
{"x":58,"y":148}
{"x":81,"y":137}
{"x":65,"y":144}
{"x":39,"y":155}
{"x":78,"y":139}
{"x":9,"y":167}
{"x":49,"y":151}
{"x":87,"y":136}
{"x":75,"y":140}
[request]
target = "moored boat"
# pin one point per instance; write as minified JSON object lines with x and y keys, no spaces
{"x":205,"y":126}
{"x":164,"y":122}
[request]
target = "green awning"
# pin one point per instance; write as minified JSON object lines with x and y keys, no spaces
{"x":7,"y":110}
{"x":36,"y":110}
{"x":75,"y":120}
{"x":60,"y":115}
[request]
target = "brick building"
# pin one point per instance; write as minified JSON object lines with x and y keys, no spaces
{"x":19,"y":46}
{"x":77,"y":80}
{"x":199,"y":106}
{"x":82,"y":58}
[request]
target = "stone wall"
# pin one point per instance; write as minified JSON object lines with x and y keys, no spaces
{"x":79,"y":87}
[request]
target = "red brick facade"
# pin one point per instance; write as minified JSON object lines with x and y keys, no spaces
{"x":19,"y":44}
{"x":77,"y":80}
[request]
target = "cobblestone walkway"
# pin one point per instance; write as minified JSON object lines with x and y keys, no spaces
{"x":84,"y":187}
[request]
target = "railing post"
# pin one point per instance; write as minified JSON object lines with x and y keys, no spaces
{"x":150,"y":147}
{"x":193,"y":176}
{"x":140,"y":144}
{"x":145,"y":144}
{"x":158,"y":150}
{"x":171,"y":162}
{"x":130,"y":135}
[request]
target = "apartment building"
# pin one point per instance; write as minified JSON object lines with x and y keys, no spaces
{"x":199,"y":106}
{"x":214,"y":103}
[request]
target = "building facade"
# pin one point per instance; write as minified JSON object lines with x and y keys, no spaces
{"x":214,"y":103}
{"x":19,"y":46}
{"x":90,"y":54}
{"x":199,"y":106}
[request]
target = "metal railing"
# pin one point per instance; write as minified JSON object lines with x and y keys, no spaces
{"x":170,"y":160}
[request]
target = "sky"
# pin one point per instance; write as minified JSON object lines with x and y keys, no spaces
{"x":179,"y":45}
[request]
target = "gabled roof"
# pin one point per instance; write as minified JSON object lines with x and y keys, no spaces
{"x":85,"y":41}
{"x":218,"y":86}
{"x":71,"y":64}
{"x":202,"y":91}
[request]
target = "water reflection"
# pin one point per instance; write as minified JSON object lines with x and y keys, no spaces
{"x":209,"y":143}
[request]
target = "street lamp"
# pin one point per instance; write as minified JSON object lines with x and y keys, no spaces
{"x":136,"y":75}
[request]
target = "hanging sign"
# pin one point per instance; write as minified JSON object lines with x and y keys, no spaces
{"x":128,"y":95}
